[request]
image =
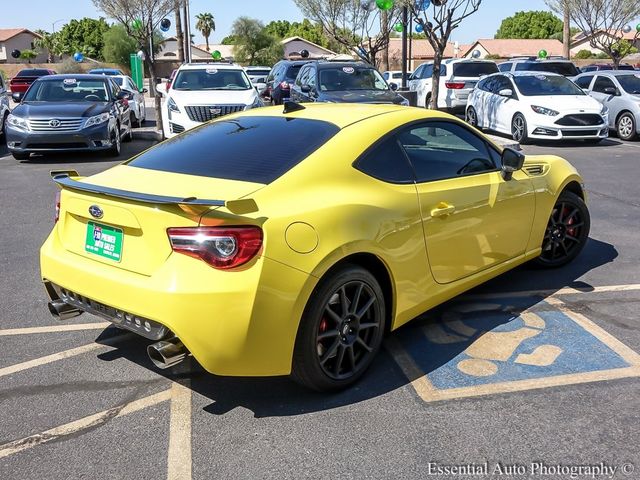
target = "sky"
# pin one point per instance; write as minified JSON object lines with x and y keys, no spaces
{"x":43,"y":14}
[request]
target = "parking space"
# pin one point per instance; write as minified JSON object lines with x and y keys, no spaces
{"x":534,"y":366}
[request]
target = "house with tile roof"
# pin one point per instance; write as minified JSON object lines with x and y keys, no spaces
{"x":514,"y":47}
{"x":19,"y":39}
{"x":420,"y":50}
{"x":582,"y":40}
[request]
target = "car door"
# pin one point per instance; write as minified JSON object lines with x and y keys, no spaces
{"x":473,"y":219}
{"x":504,"y":107}
{"x":121,"y":108}
{"x":423,"y":87}
{"x":608,"y":93}
{"x":415,"y":77}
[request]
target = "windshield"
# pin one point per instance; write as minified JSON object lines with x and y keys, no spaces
{"x":292,"y":71}
{"x":630,"y":83}
{"x":67,"y":90}
{"x":351,"y":78}
{"x":567,"y":69}
{"x":211,"y":79}
{"x":118,"y":80}
{"x":474,"y":69}
{"x":258,"y":72}
{"x":542,"y":85}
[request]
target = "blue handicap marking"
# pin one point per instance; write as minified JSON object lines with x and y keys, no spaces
{"x":479,"y":344}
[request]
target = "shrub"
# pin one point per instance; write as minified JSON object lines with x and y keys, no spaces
{"x":69,"y":65}
{"x":584,"y":54}
{"x":493,"y":56}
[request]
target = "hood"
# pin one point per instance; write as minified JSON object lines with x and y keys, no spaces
{"x":60,"y":109}
{"x":213,"y":97}
{"x":362,"y":96}
{"x":568,"y":102}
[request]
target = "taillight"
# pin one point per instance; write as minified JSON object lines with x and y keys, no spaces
{"x":454,"y":85}
{"x":284,"y":85}
{"x":220,"y":247}
{"x":57,"y":214}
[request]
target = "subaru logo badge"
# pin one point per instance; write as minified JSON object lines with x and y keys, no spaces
{"x":54,"y":123}
{"x":96,"y":211}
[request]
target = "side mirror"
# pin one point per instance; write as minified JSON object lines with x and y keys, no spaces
{"x":393,"y":86}
{"x":161,"y":89}
{"x":158,"y":80}
{"x":144,"y":90}
{"x":506,"y":92}
{"x":611,"y":91}
{"x":305,"y":88}
{"x":122,"y":95}
{"x":17,"y":96}
{"x":512,"y":161}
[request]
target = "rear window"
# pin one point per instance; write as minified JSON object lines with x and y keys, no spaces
{"x":626,"y":67}
{"x":32,"y":72}
{"x":249,"y":149}
{"x":258,"y":71}
{"x":562,"y":68}
{"x":474,"y":69}
{"x":292,"y":71}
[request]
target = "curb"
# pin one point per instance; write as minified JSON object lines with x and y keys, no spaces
{"x":147,"y":134}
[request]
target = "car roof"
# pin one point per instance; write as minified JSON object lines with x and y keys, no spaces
{"x":451,"y":61}
{"x":295,"y":62}
{"x":77,"y":76}
{"x":203,"y":65}
{"x":324,"y":64}
{"x":257,"y":67}
{"x":610,"y":73}
{"x":524,"y":73}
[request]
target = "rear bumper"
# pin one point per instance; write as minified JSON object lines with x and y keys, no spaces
{"x":88,"y":139}
{"x":240,"y":323}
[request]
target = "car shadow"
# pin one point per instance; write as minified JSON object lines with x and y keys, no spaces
{"x":279,"y":396}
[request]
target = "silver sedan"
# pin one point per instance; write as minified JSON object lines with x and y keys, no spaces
{"x":620,"y":91}
{"x":136,"y":102}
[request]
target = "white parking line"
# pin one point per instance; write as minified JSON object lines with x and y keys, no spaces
{"x":554,"y":293}
{"x":82,"y":424}
{"x":54,"y":328}
{"x":179,"y":456}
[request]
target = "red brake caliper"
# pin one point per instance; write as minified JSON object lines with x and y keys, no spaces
{"x":323,"y":328}
{"x":570,"y":231}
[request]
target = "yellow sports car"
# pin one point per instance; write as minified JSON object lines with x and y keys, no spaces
{"x":279,"y":242}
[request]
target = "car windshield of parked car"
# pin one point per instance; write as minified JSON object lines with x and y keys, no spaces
{"x":474,"y":69}
{"x":630,"y":83}
{"x":67,"y":90}
{"x":249,"y":149}
{"x":211,"y":79}
{"x":541,"y":85}
{"x":351,"y":78}
{"x":567,"y":69}
{"x":32,"y":72}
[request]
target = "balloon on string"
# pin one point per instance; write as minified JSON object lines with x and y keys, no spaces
{"x":368,"y":5}
{"x":165,"y":24}
{"x":78,"y":57}
{"x":543,"y":54}
{"x":216,"y":55}
{"x":476,"y":54}
{"x":141,"y":55}
{"x":384,"y":4}
{"x":16,"y":53}
{"x":398,"y":27}
{"x":304,"y":53}
{"x":419,"y":28}
{"x":638,"y":28}
{"x":422,"y":5}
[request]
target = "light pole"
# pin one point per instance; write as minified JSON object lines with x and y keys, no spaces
{"x":53,"y":25}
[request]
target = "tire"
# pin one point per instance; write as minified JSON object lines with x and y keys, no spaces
{"x":519,"y":129}
{"x":346,"y":349}
{"x":20,"y":155}
{"x":427,"y":101}
{"x":472,"y":117}
{"x":129,"y":135}
{"x":567,"y":231}
{"x":115,"y":150}
{"x":626,"y":127}
{"x":4,"y":127}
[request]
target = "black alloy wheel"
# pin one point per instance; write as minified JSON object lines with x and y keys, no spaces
{"x":341,"y":330}
{"x":567,"y":231}
{"x":114,"y":151}
{"x":519,"y":129}
{"x":472,"y":117}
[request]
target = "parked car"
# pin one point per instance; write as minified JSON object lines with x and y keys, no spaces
{"x":394,"y":77}
{"x":106,"y":71}
{"x":344,"y":82}
{"x":619,"y":91}
{"x":261,"y":84}
{"x":280,"y":79}
{"x":4,"y":106}
{"x":254,"y":72}
{"x":562,"y":67}
{"x":203,"y":91}
{"x":71,"y":112}
{"x":278,"y":243}
{"x":136,"y":99}
{"x":536,"y":105}
{"x":170,"y":80}
{"x":23,"y":80}
{"x":458,"y":77}
{"x":597,"y":67}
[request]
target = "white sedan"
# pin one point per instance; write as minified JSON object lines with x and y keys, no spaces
{"x":536,"y":105}
{"x":136,"y":103}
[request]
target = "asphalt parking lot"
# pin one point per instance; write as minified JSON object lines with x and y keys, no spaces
{"x":532,"y":375}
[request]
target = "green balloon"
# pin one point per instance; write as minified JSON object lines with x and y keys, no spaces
{"x":384,"y":4}
{"x":542,"y":54}
{"x":398,"y":27}
{"x":216,"y":55}
{"x":638,"y":28}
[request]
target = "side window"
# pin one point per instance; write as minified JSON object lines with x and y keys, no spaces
{"x":441,"y":150}
{"x":311,"y":77}
{"x":418,"y":72}
{"x":385,"y":75}
{"x":301,"y":79}
{"x":387,"y":162}
{"x":502,"y":83}
{"x":427,"y":72}
{"x":602,"y":83}
{"x":272,"y":73}
{"x":584,"y":82}
{"x":505,"y":67}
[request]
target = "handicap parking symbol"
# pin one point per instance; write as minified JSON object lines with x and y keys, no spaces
{"x":473,"y":349}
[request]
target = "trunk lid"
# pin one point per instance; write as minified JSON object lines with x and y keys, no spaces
{"x":130,"y":234}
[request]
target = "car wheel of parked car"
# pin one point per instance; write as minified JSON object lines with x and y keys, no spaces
{"x":519,"y":129}
{"x":472,"y":117}
{"x":427,"y":101}
{"x":129,"y":135}
{"x":626,"y":126}
{"x":114,"y":151}
{"x":4,"y":126}
{"x":340,"y":331}
{"x":20,"y":155}
{"x":567,"y":231}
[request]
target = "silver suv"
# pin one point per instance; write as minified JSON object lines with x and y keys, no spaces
{"x":552,"y":65}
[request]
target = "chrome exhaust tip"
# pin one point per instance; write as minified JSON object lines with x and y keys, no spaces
{"x":167,"y":353}
{"x":62,"y":310}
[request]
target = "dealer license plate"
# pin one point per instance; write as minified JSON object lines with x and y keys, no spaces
{"x":104,"y":241}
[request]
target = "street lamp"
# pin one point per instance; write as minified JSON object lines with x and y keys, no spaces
{"x":53,"y":25}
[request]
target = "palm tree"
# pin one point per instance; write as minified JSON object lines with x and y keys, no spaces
{"x":206,"y":24}
{"x":47,"y":41}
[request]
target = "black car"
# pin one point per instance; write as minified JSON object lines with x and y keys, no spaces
{"x":344,"y":82}
{"x":70,"y":113}
{"x":280,"y":79}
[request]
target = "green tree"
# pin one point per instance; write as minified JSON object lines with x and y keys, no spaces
{"x":28,"y":55}
{"x":118,"y":45}
{"x":85,"y":35}
{"x":47,"y":41}
{"x":584,"y":54}
{"x":532,"y":24}
{"x":229,"y":40}
{"x":206,"y":24}
{"x":254,"y":44}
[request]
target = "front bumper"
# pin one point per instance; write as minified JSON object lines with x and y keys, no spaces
{"x":240,"y":323}
{"x":94,"y":138}
{"x":546,"y":128}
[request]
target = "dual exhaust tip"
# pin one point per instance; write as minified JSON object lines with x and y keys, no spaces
{"x":163,"y":354}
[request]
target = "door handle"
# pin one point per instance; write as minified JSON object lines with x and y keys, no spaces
{"x":442,"y":210}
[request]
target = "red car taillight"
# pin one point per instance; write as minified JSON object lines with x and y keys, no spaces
{"x":454,"y":85}
{"x":57,"y":214}
{"x":284,"y":85}
{"x":220,"y":247}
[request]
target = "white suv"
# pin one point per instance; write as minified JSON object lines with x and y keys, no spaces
{"x":203,"y":91}
{"x":458,"y":77}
